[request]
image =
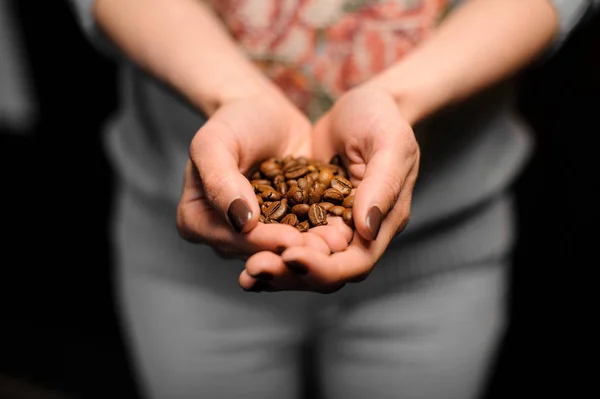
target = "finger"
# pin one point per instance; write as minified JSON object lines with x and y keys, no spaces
{"x":314,"y":242}
{"x":301,"y":147}
{"x":246,"y":281}
{"x":199,"y":223}
{"x":400,"y":214}
{"x":253,"y":284}
{"x":215,"y":158}
{"x":389,"y":173}
{"x":337,"y":234}
{"x":323,"y":147}
{"x":271,"y":237}
{"x":325,"y":272}
{"x":269,"y":268}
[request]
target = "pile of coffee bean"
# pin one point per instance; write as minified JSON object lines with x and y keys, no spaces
{"x":302,"y":192}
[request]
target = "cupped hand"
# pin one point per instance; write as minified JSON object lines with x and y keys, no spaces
{"x":381,"y":153}
{"x":218,"y":206}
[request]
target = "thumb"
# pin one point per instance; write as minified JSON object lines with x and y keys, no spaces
{"x":225,"y":188}
{"x":390,"y":175}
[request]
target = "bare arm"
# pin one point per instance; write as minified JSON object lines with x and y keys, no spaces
{"x":481,"y":43}
{"x":183,"y":43}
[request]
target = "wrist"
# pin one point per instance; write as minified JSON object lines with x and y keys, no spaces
{"x":416,"y":94}
{"x":232,"y":87}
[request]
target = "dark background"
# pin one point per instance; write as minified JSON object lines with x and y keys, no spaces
{"x":58,"y":328}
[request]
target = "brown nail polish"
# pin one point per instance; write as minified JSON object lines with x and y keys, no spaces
{"x":239,"y":214}
{"x":297,"y":268}
{"x":373,"y":221}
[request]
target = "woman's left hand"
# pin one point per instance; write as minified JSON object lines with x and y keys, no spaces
{"x":381,"y":153}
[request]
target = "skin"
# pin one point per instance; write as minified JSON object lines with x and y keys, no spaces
{"x":249,"y":119}
{"x":374,"y":135}
{"x":370,"y":125}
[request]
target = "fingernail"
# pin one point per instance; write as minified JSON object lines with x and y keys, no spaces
{"x":297,"y":268}
{"x":373,"y":221}
{"x":264,"y":276}
{"x":239,"y":214}
{"x":259,"y":286}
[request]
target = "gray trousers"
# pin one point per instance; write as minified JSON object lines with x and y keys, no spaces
{"x":193,"y":333}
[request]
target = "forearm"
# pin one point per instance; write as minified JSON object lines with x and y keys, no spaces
{"x":184,"y":44}
{"x":480,"y":44}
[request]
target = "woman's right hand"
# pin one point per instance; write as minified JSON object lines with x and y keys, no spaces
{"x":185,"y":45}
{"x":218,"y":206}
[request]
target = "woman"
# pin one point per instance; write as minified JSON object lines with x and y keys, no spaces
{"x":414,"y":95}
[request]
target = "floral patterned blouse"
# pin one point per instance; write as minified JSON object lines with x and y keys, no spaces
{"x":315,"y":50}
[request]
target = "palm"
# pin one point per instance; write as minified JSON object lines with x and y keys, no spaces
{"x":224,"y":152}
{"x":381,"y":154}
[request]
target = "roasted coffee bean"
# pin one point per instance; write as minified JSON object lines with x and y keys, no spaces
{"x":301,"y":192}
{"x":290,"y":164}
{"x":276,"y":211}
{"x":256,"y":175}
{"x":296,"y":195}
{"x":338,"y":210}
{"x":303,"y":226}
{"x":310,"y":180}
{"x":264,"y":207}
{"x":270,"y":169}
{"x":316,"y":193}
{"x":328,"y":206}
{"x":303,"y":183}
{"x":301,"y":210}
{"x":333,"y":195}
{"x":272,"y":195}
{"x":347,"y":216}
{"x":348,"y":201}
{"x":325,"y":176}
{"x":290,"y":219}
{"x":261,"y":188}
{"x":317,"y":215}
{"x":287,"y":159}
{"x":282,"y":188}
{"x":260,"y":182}
{"x":279,"y":179}
{"x":334,"y":168}
{"x":342,"y":184}
{"x":297,"y":172}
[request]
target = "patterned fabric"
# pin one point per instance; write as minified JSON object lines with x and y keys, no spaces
{"x":315,"y":50}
